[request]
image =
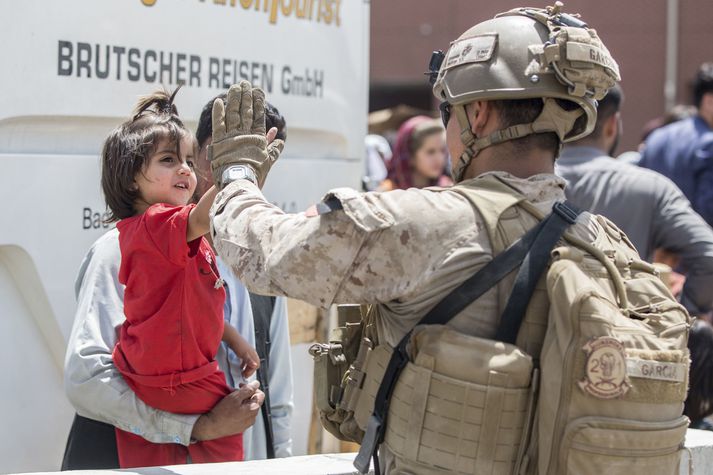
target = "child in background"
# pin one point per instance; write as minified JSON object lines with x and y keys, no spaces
{"x":419,"y":159}
{"x":174,"y":297}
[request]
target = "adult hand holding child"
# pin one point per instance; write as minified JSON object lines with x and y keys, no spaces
{"x":232,"y":415}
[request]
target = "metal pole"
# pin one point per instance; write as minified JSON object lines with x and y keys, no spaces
{"x":669,"y":91}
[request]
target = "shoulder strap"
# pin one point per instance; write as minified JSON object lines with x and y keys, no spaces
{"x":263,"y":307}
{"x":533,"y":265}
{"x":533,"y":251}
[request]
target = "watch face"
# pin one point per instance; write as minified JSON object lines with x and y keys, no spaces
{"x":238,"y":172}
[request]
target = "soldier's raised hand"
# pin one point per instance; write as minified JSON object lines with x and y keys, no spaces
{"x":239,"y":134}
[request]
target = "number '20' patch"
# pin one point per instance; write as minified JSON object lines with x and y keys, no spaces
{"x":605,"y":370}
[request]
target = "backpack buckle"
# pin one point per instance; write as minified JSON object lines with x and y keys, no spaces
{"x":566,"y":211}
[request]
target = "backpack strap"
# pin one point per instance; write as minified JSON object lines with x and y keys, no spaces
{"x":508,"y":215}
{"x":531,"y":270}
{"x":533,"y":251}
{"x":263,"y":307}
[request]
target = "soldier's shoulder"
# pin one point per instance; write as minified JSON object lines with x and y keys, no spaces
{"x":376,"y":210}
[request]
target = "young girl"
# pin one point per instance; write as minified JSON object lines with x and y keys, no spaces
{"x":174,"y":297}
{"x":419,"y":158}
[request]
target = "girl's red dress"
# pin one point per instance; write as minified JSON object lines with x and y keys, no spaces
{"x":166,"y":349}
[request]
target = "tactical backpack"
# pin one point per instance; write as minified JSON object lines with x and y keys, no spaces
{"x":588,"y":373}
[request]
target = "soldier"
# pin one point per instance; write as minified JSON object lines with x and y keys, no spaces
{"x":509,"y":101}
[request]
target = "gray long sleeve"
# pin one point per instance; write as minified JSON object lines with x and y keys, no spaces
{"x":679,"y":229}
{"x":239,"y":314}
{"x":93,"y":385}
{"x":650,"y":209}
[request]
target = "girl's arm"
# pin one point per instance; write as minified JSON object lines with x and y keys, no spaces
{"x":247,"y":354}
{"x":199,"y":219}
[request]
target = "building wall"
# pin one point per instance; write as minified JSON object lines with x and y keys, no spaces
{"x":404,"y":32}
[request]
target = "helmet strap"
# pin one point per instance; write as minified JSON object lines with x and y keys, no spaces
{"x":553,"y":118}
{"x":468,"y":139}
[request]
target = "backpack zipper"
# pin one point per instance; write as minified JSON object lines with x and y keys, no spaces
{"x":566,"y":388}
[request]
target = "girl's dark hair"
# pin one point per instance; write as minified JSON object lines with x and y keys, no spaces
{"x":128,"y":147}
{"x":699,"y":403}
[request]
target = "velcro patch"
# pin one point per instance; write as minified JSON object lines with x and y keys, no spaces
{"x":475,"y":49}
{"x":605,"y":370}
{"x":651,"y":369}
{"x":588,"y":53}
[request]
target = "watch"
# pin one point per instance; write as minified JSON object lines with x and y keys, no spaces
{"x":238,"y":172}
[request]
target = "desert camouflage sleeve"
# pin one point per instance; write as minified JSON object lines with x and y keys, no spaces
{"x":378,"y":247}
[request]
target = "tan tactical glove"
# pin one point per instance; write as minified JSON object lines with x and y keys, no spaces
{"x":239,"y":134}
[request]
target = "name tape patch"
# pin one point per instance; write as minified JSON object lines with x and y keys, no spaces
{"x":590,"y":54}
{"x":475,"y":49}
{"x":649,"y":369}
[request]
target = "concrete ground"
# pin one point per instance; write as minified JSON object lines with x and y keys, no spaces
{"x":697,"y":460}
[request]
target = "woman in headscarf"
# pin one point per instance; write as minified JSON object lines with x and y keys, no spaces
{"x":419,"y":158}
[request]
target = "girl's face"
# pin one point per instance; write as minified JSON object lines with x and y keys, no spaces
{"x":430,"y":159}
{"x":167,"y":177}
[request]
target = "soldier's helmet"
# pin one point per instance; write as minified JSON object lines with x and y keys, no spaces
{"x":526,"y":53}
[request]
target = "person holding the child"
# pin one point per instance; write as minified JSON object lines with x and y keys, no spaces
{"x":173,"y":303}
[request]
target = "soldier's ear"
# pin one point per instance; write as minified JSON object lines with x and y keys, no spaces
{"x":479,"y":114}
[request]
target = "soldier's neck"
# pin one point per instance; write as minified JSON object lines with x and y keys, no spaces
{"x":502,"y":157}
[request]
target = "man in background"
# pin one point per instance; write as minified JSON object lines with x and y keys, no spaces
{"x":647,"y":206}
{"x":261,"y":320}
{"x":683,"y":150}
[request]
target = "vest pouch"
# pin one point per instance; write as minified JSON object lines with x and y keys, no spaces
{"x":374,"y":369}
{"x":463,"y":404}
{"x":337,"y":370}
{"x":326,"y":385}
{"x":594,"y":445}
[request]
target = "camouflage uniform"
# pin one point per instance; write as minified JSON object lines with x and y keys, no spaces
{"x":403,"y":250}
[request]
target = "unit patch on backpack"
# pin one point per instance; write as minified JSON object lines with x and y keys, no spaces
{"x":605,"y":369}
